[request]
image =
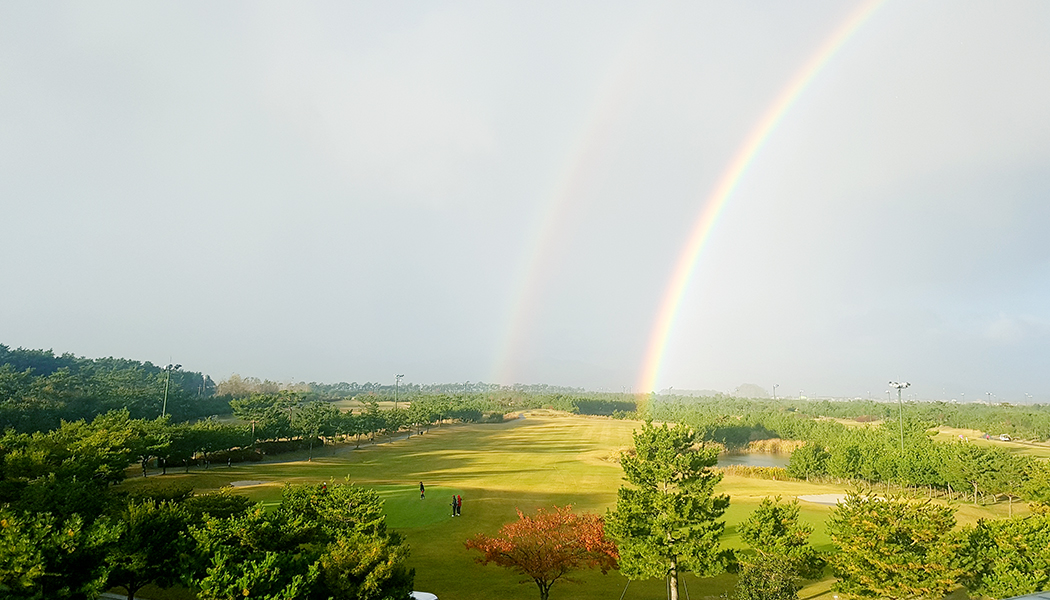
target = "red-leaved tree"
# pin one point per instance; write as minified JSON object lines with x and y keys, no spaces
{"x":548,"y":546}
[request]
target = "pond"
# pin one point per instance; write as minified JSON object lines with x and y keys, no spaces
{"x":753,"y":460}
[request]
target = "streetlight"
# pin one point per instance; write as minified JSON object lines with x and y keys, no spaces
{"x":900,"y":386}
{"x":775,"y":386}
{"x":397,"y":384}
{"x":164,"y":407}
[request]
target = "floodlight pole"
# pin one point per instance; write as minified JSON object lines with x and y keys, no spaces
{"x":397,"y":384}
{"x":167,"y":379}
{"x":900,"y":386}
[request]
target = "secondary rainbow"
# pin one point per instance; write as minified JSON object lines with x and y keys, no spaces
{"x":727,"y":183}
{"x":586,"y":153}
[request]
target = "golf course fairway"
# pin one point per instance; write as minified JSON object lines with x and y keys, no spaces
{"x":539,"y":460}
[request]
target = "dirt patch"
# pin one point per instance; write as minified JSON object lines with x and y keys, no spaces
{"x":825,"y":499}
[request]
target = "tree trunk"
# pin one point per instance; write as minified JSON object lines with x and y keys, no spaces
{"x":674,"y":580}
{"x":545,"y":589}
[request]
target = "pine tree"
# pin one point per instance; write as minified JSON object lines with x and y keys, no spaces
{"x":666,"y":521}
{"x":893,"y":548}
{"x":782,"y":555}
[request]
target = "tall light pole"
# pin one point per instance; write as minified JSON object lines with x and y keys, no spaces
{"x":397,"y":384}
{"x":775,"y":386}
{"x":900,"y":386}
{"x":164,"y":407}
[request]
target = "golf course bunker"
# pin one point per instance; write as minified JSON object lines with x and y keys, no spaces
{"x":826,"y":499}
{"x":247,"y":482}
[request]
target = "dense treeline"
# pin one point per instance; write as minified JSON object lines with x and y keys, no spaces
{"x":883,"y":453}
{"x":39,"y":389}
{"x":67,"y":532}
{"x":890,"y":547}
{"x":1031,"y":421}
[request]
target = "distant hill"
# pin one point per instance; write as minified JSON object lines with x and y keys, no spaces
{"x":750,"y":390}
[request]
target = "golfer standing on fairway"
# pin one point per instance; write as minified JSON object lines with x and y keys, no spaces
{"x":422,"y":491}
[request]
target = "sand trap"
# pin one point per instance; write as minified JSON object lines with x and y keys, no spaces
{"x":828,"y":499}
{"x":246,"y":483}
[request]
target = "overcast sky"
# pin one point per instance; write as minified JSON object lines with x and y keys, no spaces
{"x":500,"y":191}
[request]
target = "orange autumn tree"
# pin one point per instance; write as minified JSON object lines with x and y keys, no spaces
{"x":548,"y":546}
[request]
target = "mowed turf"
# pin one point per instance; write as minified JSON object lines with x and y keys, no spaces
{"x":537,"y":461}
{"x":1031,"y":448}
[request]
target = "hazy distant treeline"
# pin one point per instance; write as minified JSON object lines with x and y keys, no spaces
{"x":346,"y":390}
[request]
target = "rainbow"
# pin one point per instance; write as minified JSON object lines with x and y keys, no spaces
{"x":585,"y":154}
{"x":675,"y":291}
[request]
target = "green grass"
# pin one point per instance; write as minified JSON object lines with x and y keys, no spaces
{"x":538,"y":461}
{"x":1031,"y":448}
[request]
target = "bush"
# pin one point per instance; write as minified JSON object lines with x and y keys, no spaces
{"x":768,"y":577}
{"x":237,"y":455}
{"x":220,"y":505}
